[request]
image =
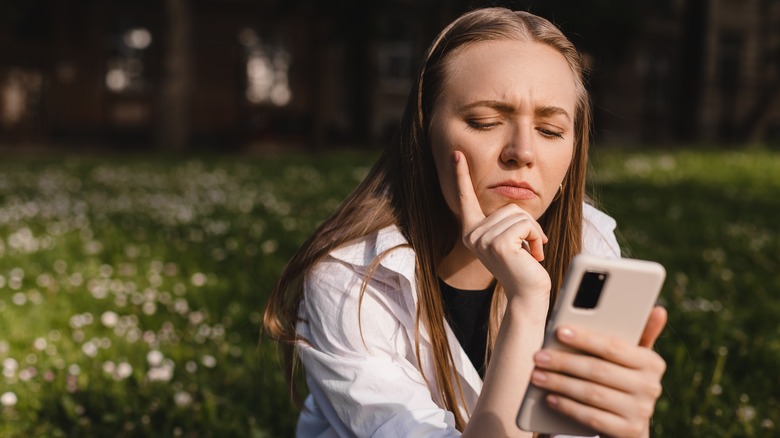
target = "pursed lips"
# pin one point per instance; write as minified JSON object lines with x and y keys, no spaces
{"x":514,"y":190}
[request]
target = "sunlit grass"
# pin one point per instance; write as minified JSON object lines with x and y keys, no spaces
{"x":131,"y":289}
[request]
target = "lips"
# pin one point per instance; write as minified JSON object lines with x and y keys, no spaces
{"x":514,"y":190}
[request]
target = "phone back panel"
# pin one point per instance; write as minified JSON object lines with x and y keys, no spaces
{"x":628,"y":295}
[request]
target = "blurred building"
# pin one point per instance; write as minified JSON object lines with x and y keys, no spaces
{"x":228,"y":73}
{"x":699,"y":70}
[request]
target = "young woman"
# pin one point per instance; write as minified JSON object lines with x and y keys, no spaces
{"x":418,"y":308}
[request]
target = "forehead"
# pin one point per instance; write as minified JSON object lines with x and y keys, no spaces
{"x":510,"y":70}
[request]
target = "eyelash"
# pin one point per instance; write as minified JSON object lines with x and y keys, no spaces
{"x":549,"y":133}
{"x":473,"y":124}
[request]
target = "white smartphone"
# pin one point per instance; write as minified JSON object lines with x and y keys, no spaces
{"x":611,"y":296}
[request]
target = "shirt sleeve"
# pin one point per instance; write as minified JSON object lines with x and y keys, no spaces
{"x":598,"y":233}
{"x":362,"y":374}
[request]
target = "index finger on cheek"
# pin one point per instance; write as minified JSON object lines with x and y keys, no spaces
{"x":470,"y":210}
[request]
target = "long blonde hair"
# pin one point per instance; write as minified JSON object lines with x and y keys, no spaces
{"x":403,"y":189}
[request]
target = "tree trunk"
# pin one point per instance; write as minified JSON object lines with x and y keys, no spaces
{"x":175,"y":98}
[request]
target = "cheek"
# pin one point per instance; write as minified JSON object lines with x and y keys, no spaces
{"x":442,"y":151}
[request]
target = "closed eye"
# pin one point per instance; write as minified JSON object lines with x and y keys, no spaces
{"x":549,"y":133}
{"x":481,"y":126}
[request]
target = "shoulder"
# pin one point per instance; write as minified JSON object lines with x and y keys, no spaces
{"x":598,"y":233}
{"x":349,"y":282}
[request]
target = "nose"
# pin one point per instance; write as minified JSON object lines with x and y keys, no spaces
{"x":518,"y":150}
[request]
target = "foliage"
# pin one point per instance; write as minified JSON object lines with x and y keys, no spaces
{"x":711,"y":219}
{"x":131,"y":290}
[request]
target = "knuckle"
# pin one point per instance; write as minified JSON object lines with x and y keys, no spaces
{"x":655,"y":389}
{"x":593,"y":421}
{"x":613,"y":347}
{"x":595,"y":396}
{"x":597,"y":371}
{"x":646,"y":409}
{"x":636,"y":429}
{"x":659,"y":364}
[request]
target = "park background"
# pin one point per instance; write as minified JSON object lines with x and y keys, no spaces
{"x":161,"y":160}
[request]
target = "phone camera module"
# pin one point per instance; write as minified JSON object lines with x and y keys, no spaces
{"x":589,"y":292}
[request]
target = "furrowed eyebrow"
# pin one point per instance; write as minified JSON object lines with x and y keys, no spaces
{"x":495,"y":104}
{"x":544,"y":111}
{"x":548,"y":111}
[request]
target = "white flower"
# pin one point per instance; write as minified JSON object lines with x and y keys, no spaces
{"x":123,"y":371}
{"x":208,"y":361}
{"x":182,"y":398}
{"x":8,"y":399}
{"x":198,"y":279}
{"x":109,"y":319}
{"x":154,"y":357}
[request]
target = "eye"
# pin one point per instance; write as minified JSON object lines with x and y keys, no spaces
{"x":549,"y":133}
{"x":481,"y":126}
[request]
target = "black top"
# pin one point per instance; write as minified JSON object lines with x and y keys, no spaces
{"x":468,"y":312}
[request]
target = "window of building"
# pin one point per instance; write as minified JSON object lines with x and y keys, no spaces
{"x":267,"y":67}
{"x":125,"y":69}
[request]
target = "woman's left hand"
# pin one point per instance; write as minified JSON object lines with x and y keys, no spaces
{"x":614,"y":388}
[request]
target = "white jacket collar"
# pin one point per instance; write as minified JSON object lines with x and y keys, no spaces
{"x":402,"y":261}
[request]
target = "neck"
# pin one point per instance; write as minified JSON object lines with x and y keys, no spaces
{"x":461,"y":269}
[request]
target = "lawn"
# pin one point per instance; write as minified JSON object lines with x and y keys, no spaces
{"x":131,"y":288}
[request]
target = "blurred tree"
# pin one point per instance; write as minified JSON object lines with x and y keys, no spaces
{"x":603,"y":29}
{"x":175,"y":95}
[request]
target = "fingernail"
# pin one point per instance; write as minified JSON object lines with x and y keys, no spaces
{"x":456,"y":157}
{"x":552,"y":400}
{"x":538,"y":377}
{"x":542,"y":358}
{"x":566,"y":333}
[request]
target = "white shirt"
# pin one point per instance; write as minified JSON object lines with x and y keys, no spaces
{"x":371,"y":385}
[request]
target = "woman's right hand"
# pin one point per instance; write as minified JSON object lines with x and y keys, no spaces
{"x":497,"y":240}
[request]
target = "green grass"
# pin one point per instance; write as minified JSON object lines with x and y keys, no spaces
{"x":131,"y":289}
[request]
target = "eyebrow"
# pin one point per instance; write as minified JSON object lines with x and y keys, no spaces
{"x":543,"y":111}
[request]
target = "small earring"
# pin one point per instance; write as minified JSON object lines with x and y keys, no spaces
{"x":558,"y":193}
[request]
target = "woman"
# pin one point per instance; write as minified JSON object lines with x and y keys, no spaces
{"x":481,"y":198}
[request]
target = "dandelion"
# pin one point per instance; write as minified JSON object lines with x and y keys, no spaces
{"x":269,"y":246}
{"x":109,"y":319}
{"x":8,"y":399}
{"x":154,"y":357}
{"x":162,"y":373}
{"x":89,"y":349}
{"x":198,"y":279}
{"x":19,"y":299}
{"x":27,"y":373}
{"x":123,"y":371}
{"x":197,"y":317}
{"x":746,"y":413}
{"x":10,"y":365}
{"x":208,"y":361}
{"x":716,"y":389}
{"x":182,"y":398}
{"x":40,"y":344}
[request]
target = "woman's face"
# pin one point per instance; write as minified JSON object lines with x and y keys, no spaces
{"x":509,"y":107}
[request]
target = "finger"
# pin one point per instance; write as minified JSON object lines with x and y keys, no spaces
{"x":606,"y":347}
{"x":606,"y":423}
{"x":655,"y":325}
{"x":589,"y":393}
{"x":514,"y":227}
{"x":593,"y":369}
{"x":470,"y":211}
